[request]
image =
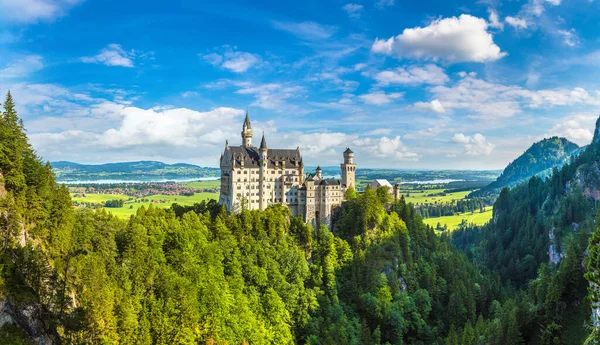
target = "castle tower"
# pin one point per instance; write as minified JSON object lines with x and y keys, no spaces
{"x":247,"y":132}
{"x":262,"y":173}
{"x":348,"y":169}
{"x":396,"y":191}
{"x":319,"y":172}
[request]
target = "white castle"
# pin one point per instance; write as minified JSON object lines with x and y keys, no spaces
{"x":256,"y":177}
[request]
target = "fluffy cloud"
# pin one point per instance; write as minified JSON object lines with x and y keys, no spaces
{"x":516,"y":22}
{"x":569,"y":37}
{"x":476,"y":145}
{"x":487,"y":100}
{"x":22,"y":67}
{"x":234,"y":61}
{"x":31,"y":11}
{"x":272,"y":96}
{"x":385,"y":147}
{"x":380,"y":97}
{"x":413,"y":75}
{"x":434,"y":106}
{"x":495,"y":20}
{"x":578,"y":128}
{"x":353,"y":10}
{"x":309,"y":31}
{"x":113,"y":55}
{"x":451,"y":39}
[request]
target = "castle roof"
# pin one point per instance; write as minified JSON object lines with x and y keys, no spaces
{"x":348,"y":150}
{"x":251,"y":156}
{"x":247,"y":121}
{"x":263,"y":142}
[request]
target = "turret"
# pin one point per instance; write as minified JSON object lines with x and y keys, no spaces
{"x":319,"y":171}
{"x":348,"y":156}
{"x":348,"y":169}
{"x":263,"y":149}
{"x":247,"y":132}
{"x":396,"y":191}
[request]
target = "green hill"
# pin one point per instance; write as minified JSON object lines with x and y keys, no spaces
{"x":538,"y":160}
{"x":140,"y":170}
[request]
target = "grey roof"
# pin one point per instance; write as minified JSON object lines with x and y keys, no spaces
{"x":263,"y":142}
{"x":348,"y":150}
{"x":247,"y":121}
{"x":251,"y":156}
{"x":330,"y":182}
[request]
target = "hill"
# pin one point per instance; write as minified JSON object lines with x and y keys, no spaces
{"x":537,"y":242}
{"x":130,"y":171}
{"x":538,"y":160}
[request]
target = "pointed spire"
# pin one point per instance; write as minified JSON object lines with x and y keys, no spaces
{"x":247,"y":121}
{"x":226,"y":143}
{"x":263,"y":142}
{"x":318,"y":168}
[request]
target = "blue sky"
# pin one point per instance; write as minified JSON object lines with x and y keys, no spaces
{"x":406,"y":84}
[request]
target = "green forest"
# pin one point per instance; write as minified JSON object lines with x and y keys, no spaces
{"x":198,"y":275}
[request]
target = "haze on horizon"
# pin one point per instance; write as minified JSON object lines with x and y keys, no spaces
{"x":428,"y":85}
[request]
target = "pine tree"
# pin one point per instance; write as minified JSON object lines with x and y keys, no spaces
{"x":14,"y":144}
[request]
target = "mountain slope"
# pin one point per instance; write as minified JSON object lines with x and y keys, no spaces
{"x":70,"y":171}
{"x":537,"y":242}
{"x":538,"y":160}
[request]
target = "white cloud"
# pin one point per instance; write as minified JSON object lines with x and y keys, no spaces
{"x":386,"y":147}
{"x":384,"y":3}
{"x":434,"y":105}
{"x":353,"y":10}
{"x":22,"y":67}
{"x":379,"y":131}
{"x":273,"y":96}
{"x":569,"y":37}
{"x":380,"y":97}
{"x":31,"y":11}
{"x":476,"y":145}
{"x":451,"y":39}
{"x":516,"y":22}
{"x":495,"y":20}
{"x":113,"y":55}
{"x":485,"y":100}
{"x":413,"y":75}
{"x":234,"y":61}
{"x":188,"y":94}
{"x":310,"y":31}
{"x":578,"y":128}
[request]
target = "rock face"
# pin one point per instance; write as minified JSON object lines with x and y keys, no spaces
{"x":28,"y":318}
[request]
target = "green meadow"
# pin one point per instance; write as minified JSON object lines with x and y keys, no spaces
{"x":452,"y":222}
{"x":158,"y":200}
{"x":425,"y":197}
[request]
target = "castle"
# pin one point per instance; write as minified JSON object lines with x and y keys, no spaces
{"x":256,"y":177}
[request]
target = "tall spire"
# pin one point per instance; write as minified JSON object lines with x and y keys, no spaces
{"x":263,"y":142}
{"x":247,"y":132}
{"x":247,"y":121}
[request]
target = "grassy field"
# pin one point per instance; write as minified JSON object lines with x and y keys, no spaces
{"x":131,"y":208}
{"x":159,"y":200}
{"x":452,"y":222}
{"x":204,"y":184}
{"x":418,"y":197}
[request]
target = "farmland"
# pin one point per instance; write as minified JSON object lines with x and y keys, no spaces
{"x":132,"y":204}
{"x":452,"y":222}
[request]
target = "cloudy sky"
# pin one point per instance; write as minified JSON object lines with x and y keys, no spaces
{"x":423,"y":84}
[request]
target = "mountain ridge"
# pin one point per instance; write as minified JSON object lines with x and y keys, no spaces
{"x":538,"y":160}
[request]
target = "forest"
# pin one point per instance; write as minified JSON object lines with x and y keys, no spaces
{"x":198,"y":275}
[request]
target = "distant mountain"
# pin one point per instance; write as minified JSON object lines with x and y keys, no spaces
{"x":538,"y":160}
{"x":140,"y":170}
